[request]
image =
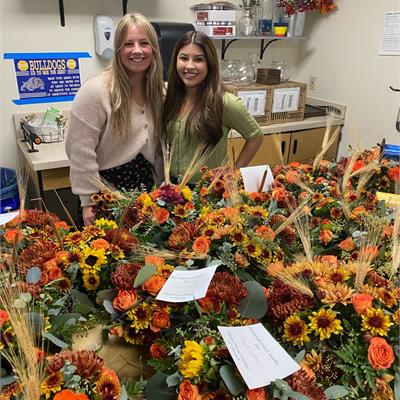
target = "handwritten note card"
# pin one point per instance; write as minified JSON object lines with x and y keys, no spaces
{"x":252,"y":178}
{"x":184,"y":286}
{"x":258,"y":356}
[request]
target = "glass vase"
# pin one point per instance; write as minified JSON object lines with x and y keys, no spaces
{"x":247,"y":22}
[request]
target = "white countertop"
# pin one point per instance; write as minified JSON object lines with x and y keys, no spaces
{"x":53,"y":155}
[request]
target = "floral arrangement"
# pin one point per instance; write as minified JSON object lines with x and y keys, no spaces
{"x":290,"y":7}
{"x":315,"y":260}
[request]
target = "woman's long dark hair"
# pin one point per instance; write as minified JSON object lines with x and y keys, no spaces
{"x":205,"y":119}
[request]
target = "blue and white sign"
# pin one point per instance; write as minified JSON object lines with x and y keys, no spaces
{"x":46,"y":77}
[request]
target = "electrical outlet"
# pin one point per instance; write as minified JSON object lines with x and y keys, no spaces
{"x":312,"y":84}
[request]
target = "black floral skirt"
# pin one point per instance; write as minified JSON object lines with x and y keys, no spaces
{"x":136,"y":174}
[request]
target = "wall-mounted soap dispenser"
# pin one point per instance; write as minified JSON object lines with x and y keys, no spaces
{"x":104,"y":36}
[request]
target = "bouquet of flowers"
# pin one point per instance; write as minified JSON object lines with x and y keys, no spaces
{"x":291,"y":7}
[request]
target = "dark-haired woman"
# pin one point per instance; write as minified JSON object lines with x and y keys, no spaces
{"x":198,"y":108}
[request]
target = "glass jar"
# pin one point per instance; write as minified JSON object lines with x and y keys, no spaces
{"x":286,"y":68}
{"x":247,"y":22}
{"x":229,"y":71}
{"x":246,"y":73}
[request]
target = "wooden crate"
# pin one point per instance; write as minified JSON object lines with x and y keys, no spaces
{"x":284,"y":102}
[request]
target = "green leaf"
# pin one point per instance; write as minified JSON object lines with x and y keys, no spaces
{"x":299,"y":356}
{"x":336,"y":392}
{"x":124,"y":394}
{"x":7,"y":380}
{"x":107,"y":294}
{"x":59,"y":321}
{"x":232,"y":382}
{"x":36,"y":321}
{"x":397,"y":386}
{"x":83,"y":308}
{"x":81,"y":298}
{"x":255,"y":304}
{"x":174,"y":379}
{"x":145,"y":273}
{"x":157,"y":388}
{"x":55,"y":340}
{"x":297,"y":395}
{"x":282,"y":385}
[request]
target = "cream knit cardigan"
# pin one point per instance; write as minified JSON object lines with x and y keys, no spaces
{"x":91,"y":146}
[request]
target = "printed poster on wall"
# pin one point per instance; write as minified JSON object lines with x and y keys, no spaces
{"x":46,"y":77}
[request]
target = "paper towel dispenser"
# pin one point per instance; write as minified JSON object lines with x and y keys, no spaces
{"x":168,"y":34}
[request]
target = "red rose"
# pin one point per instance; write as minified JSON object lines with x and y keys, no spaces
{"x":187,"y":391}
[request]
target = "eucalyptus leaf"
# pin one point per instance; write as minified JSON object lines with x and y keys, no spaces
{"x":255,"y":304}
{"x":397,"y":386}
{"x":282,"y":385}
{"x":336,"y":392}
{"x":174,"y":379}
{"x":36,"y":321}
{"x":7,"y":380}
{"x":60,"y":321}
{"x":299,"y":356}
{"x":107,"y":294}
{"x":124,"y":394}
{"x":55,"y":340}
{"x":83,"y":308}
{"x":145,"y":273}
{"x":81,"y":298}
{"x":297,"y":395}
{"x":33,"y":275}
{"x":157,"y":388}
{"x":108,"y":305}
{"x":232,"y":382}
{"x":215,"y":263}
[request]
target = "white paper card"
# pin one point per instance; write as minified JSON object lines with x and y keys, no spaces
{"x":286,"y":99}
{"x":390,"y":39}
{"x":184,"y":286}
{"x":258,"y":356}
{"x":252,"y":177}
{"x":7,"y":217}
{"x":254,"y":101}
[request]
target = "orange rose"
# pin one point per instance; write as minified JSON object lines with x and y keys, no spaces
{"x":55,"y":273}
{"x":357,"y":165}
{"x":201,"y":245}
{"x":380,"y":353}
{"x":209,"y":304}
{"x":161,"y":215}
{"x":13,"y":235}
{"x":325,"y":236}
{"x":125,"y":300}
{"x":100,"y":244}
{"x":154,"y":284}
{"x":157,"y":351}
{"x":117,"y":330}
{"x":361,"y":302}
{"x":394,"y":174}
{"x":68,"y":394}
{"x":62,"y":225}
{"x":154,"y":260}
{"x":347,"y":244}
{"x":278,"y":193}
{"x":187,"y":391}
{"x":265,"y":232}
{"x":256,"y":394}
{"x":160,"y":321}
{"x":3,"y":317}
{"x":40,"y":354}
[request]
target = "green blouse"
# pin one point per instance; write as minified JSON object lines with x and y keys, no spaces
{"x":235,"y":116}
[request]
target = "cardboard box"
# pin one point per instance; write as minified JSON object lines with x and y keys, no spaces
{"x":217,"y":30}
{"x":269,"y":76}
{"x":215,"y":15}
{"x":273,"y":104}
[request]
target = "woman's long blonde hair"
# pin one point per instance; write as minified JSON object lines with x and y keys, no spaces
{"x":120,"y":90}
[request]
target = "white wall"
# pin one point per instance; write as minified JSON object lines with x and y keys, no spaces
{"x":341,"y":51}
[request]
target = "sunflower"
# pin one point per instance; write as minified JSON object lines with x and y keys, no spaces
{"x":164,"y":270}
{"x":187,"y":193}
{"x":192,"y":359}
{"x":73,"y":239}
{"x":132,"y":336}
{"x":324,"y":323}
{"x":91,"y":281}
{"x":52,"y":384}
{"x":106,"y":224}
{"x":258,"y":212}
{"x":313,"y":360}
{"x":140,"y":316}
{"x":252,"y":250}
{"x":92,"y":260}
{"x":338,"y":275}
{"x":295,"y":330}
{"x":396,"y":317}
{"x":180,"y":211}
{"x":108,"y":385}
{"x":376,"y":322}
{"x":238,"y":237}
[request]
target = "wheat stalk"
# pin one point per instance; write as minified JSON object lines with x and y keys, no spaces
{"x":67,"y":213}
{"x":167,"y":148}
{"x":295,"y":282}
{"x":277,"y":141}
{"x":396,"y":243}
{"x":326,"y":143}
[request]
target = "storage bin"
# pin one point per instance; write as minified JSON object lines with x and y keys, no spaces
{"x":391,"y":151}
{"x":9,"y":196}
{"x":274,"y":104}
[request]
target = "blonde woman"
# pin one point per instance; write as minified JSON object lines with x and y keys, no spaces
{"x":115,"y":120}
